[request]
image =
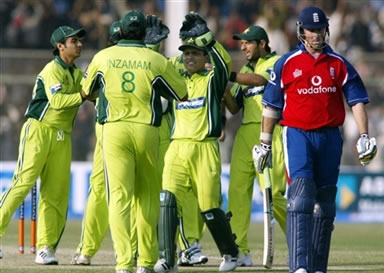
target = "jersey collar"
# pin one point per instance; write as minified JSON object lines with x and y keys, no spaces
{"x":134,"y":43}
{"x":62,"y":63}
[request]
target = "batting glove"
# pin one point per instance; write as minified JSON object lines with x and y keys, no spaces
{"x":156,"y":31}
{"x":367,"y":149}
{"x":262,"y":156}
{"x":193,"y":26}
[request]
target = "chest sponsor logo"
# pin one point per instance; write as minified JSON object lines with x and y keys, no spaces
{"x":253,"y":91}
{"x":316,"y":87}
{"x":191,"y":104}
{"x":55,"y":88}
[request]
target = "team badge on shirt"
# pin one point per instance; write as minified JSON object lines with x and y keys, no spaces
{"x":297,"y":73}
{"x":55,"y":88}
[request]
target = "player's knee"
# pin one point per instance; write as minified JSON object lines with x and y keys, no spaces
{"x":325,"y":206}
{"x":301,"y":195}
{"x":167,"y":199}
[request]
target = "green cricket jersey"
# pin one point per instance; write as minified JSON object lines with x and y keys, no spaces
{"x":200,"y":116}
{"x":249,"y":97}
{"x":130,"y":83}
{"x":56,"y":95}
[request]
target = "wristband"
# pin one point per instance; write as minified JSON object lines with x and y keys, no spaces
{"x":204,"y":40}
{"x":266,"y":136}
{"x":232,"y":76}
{"x":364,"y":135}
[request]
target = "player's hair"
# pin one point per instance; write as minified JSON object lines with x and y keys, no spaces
{"x":267,"y":48}
{"x":56,"y":51}
{"x":133,"y":34}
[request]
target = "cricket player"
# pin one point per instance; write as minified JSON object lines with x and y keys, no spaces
{"x":307,"y":88}
{"x":190,"y":223}
{"x":129,"y":79}
{"x":254,"y":43}
{"x":95,"y":221}
{"x":192,"y":161}
{"x":45,"y":147}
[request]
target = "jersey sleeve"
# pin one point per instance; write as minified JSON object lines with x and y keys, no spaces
{"x":222,"y":67}
{"x":90,"y":81}
{"x":58,"y":93}
{"x":354,"y":89}
{"x":237,"y":94}
{"x":170,"y":84}
{"x":274,"y":93}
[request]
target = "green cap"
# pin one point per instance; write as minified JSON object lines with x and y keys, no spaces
{"x":190,"y":42}
{"x":252,"y":33}
{"x":114,"y":32}
{"x":133,"y":20}
{"x":64,"y":32}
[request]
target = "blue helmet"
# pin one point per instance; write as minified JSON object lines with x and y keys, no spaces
{"x":312,"y":18}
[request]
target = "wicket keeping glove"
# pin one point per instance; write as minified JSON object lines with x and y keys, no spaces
{"x":195,"y":27}
{"x":262,"y":156}
{"x":156,"y":31}
{"x":367,"y":149}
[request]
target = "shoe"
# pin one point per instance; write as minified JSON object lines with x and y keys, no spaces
{"x":244,"y":260}
{"x":191,"y":256}
{"x":319,"y":272}
{"x":80,"y":259}
{"x":46,"y":255}
{"x":123,"y":271}
{"x":162,"y":266}
{"x":1,"y":254}
{"x":301,"y":270}
{"x":229,"y":263}
{"x":142,"y":269}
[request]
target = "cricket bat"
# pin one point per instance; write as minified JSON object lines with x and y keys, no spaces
{"x":269,"y":222}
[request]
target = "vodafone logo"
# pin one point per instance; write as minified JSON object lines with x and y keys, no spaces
{"x":316,"y":87}
{"x":316,"y":80}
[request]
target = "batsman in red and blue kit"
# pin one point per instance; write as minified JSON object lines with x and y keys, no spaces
{"x":306,"y":93}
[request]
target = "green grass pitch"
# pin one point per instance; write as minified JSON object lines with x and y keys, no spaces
{"x":355,"y":248}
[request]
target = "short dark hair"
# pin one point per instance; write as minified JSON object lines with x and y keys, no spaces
{"x":56,"y":51}
{"x":138,"y":34}
{"x":267,"y":48}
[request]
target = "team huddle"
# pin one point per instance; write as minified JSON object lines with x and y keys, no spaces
{"x":155,"y":179}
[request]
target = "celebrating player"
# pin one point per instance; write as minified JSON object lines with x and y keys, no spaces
{"x":254,"y":76}
{"x":190,"y":223}
{"x":45,"y":144}
{"x":192,"y":161}
{"x":129,"y":79}
{"x":95,"y":221}
{"x":308,"y":85}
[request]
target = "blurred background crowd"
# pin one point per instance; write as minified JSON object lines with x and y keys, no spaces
{"x":356,"y":27}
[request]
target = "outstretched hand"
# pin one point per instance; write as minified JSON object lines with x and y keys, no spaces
{"x":193,"y":26}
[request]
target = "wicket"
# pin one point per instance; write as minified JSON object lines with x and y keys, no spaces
{"x":33,"y":222}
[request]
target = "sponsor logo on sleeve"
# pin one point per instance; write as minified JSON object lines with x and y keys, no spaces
{"x":55,"y":88}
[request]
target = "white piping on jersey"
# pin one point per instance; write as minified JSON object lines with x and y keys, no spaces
{"x":44,"y":111}
{"x":299,"y":52}
{"x":209,"y":105}
{"x":222,"y":62}
{"x":167,"y":85}
{"x":285,"y":149}
{"x":338,"y":57}
{"x":153,"y":106}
